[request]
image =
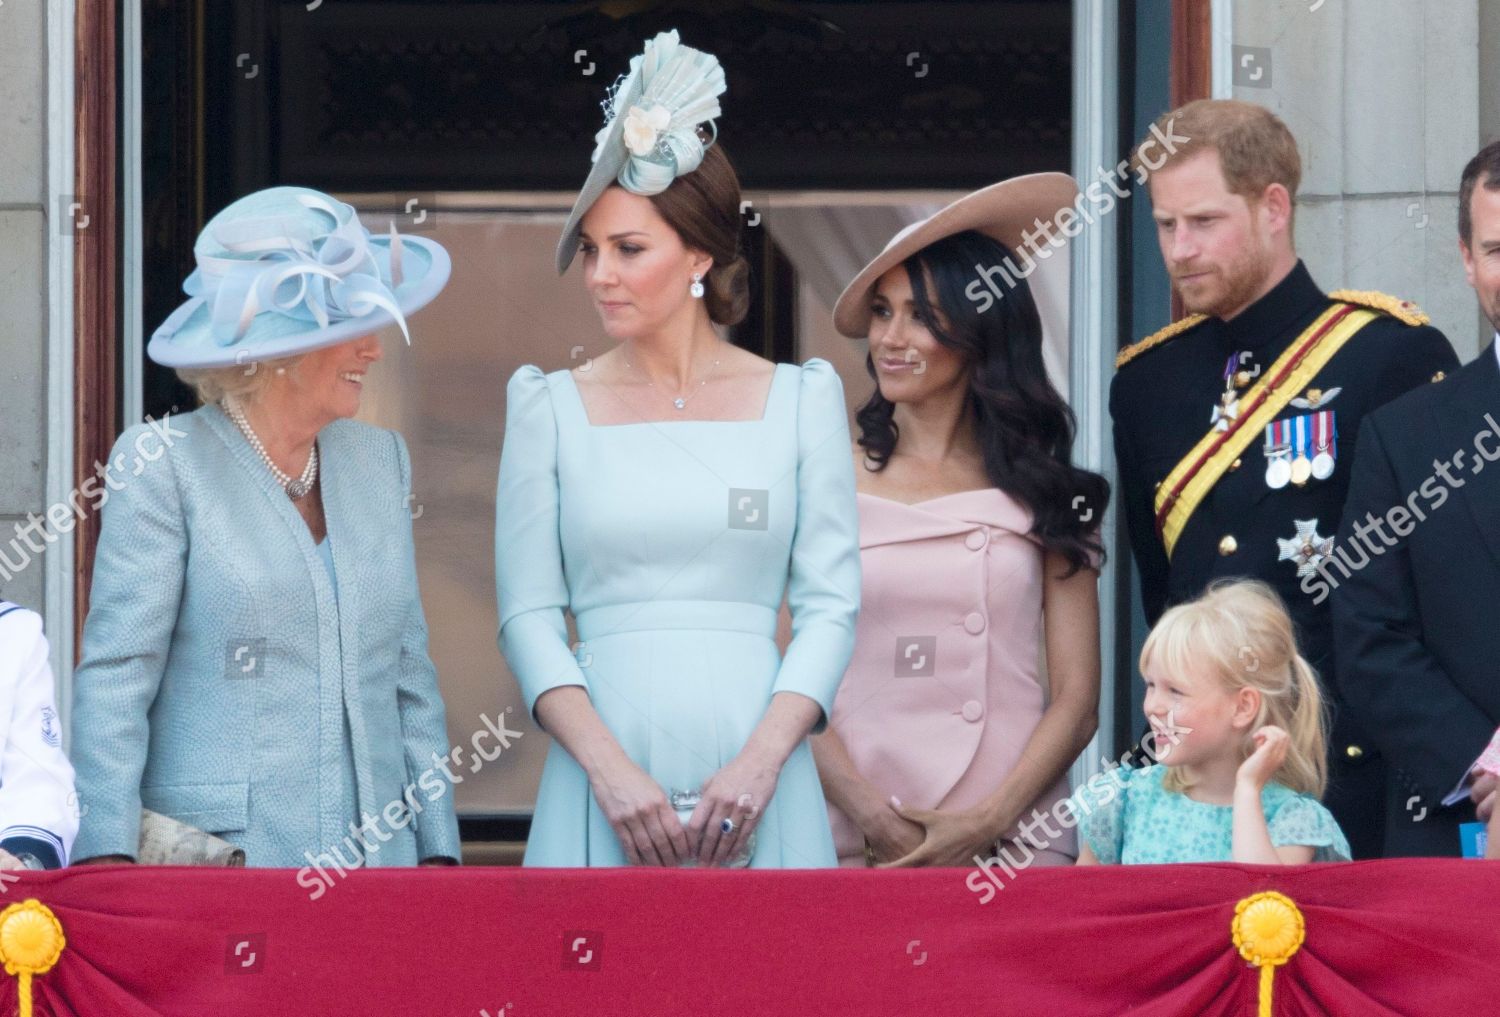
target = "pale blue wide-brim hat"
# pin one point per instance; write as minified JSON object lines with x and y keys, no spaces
{"x":650,"y":134}
{"x":288,"y":270}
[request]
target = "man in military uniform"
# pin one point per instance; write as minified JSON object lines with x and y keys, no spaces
{"x":1415,"y":613}
{"x":1235,"y":427}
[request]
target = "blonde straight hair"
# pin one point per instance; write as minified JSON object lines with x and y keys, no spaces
{"x":1240,"y":635}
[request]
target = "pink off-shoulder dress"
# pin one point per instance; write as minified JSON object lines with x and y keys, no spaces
{"x":945,"y":686}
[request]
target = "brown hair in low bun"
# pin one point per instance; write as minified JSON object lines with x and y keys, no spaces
{"x":704,"y":208}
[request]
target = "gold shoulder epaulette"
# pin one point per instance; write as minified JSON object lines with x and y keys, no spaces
{"x":1403,"y":310}
{"x":1134,"y":350}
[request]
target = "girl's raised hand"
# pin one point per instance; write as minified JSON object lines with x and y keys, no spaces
{"x":1271,"y":744}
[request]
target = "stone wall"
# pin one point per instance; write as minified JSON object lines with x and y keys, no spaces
{"x":1384,"y":97}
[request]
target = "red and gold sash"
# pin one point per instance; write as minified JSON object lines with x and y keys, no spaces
{"x":1192,"y":478}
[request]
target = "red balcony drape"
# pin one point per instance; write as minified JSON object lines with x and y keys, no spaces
{"x":1410,"y":937}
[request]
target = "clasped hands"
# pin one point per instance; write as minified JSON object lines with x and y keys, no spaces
{"x":649,"y":829}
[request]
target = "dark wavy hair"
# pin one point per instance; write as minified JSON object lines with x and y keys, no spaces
{"x":1025,"y":428}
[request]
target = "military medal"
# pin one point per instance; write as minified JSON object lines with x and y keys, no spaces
{"x":1325,"y":449}
{"x":1278,"y":456}
{"x":1225,"y":413}
{"x":1242,"y":377}
{"x":1315,"y":398}
{"x":1301,"y":464}
{"x":1307,"y":549}
{"x":1229,"y":403}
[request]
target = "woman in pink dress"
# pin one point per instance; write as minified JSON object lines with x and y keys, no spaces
{"x":978,"y":547}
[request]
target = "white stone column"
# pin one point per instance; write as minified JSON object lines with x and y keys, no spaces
{"x":1093,"y":314}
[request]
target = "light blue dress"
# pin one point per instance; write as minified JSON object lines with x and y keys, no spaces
{"x":672,"y":543}
{"x":1128,"y":817}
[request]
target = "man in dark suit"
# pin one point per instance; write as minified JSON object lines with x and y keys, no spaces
{"x":1417,"y":612}
{"x":1235,"y":427}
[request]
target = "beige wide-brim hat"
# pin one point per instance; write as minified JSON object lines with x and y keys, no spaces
{"x":1002,"y":211}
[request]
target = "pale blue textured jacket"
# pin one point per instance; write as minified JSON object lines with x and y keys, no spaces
{"x":218,"y":659}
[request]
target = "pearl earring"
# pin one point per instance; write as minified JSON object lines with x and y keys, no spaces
{"x":697,"y":288}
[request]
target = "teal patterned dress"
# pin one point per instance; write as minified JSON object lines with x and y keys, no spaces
{"x":1128,"y":817}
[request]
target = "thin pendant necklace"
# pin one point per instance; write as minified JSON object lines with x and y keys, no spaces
{"x":680,"y":402}
{"x":296,"y":488}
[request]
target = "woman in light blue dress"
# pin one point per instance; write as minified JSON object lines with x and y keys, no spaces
{"x":668,"y":494}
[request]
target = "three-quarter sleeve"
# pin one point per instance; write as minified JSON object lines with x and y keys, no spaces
{"x":133,"y":606}
{"x":824,"y":576}
{"x":424,"y":726}
{"x":531,"y":588}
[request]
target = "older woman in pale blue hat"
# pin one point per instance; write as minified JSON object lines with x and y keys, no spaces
{"x":255,"y":657}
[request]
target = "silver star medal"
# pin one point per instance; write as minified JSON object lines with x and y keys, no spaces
{"x":1307,"y":549}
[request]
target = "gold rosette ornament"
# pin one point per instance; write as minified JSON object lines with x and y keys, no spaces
{"x":1268,"y":929}
{"x":31,"y":941}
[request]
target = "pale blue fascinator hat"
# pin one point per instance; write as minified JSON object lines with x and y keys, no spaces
{"x":287,"y":270}
{"x":650,"y":135}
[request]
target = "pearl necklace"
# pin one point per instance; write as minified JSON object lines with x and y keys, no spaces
{"x":681,"y":401}
{"x":296,"y":488}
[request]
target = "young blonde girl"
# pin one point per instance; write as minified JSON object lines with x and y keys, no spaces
{"x":1238,"y":725}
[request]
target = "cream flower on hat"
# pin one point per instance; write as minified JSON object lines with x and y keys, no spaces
{"x":643,"y":127}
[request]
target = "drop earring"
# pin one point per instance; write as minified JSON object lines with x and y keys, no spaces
{"x":697,"y":288}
